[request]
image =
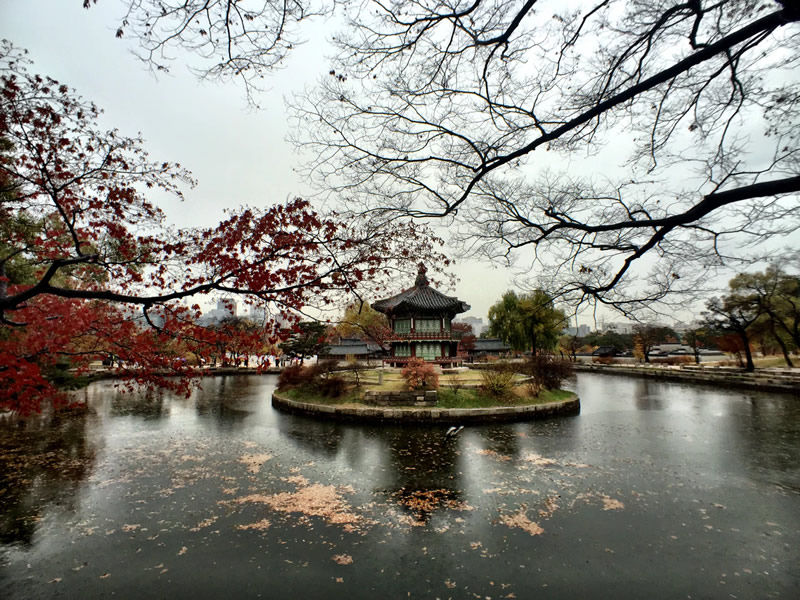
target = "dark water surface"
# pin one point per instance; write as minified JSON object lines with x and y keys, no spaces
{"x":656,"y":490}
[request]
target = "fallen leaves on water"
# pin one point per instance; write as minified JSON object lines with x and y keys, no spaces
{"x":424,"y":502}
{"x":261,"y":525}
{"x":537,"y":459}
{"x":315,"y":500}
{"x":298,"y":480}
{"x":342,"y":559}
{"x":520,"y":520}
{"x":493,"y":454}
{"x":254,"y":461}
{"x":610,"y":503}
{"x":550,"y":506}
{"x":204,"y":523}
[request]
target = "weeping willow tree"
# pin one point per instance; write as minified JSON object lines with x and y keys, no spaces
{"x":528,"y":321}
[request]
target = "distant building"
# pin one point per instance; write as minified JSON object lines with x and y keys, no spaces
{"x":489,"y":347}
{"x":681,"y":327}
{"x":359,"y":349}
{"x":257,"y":314}
{"x":606,"y":352}
{"x":621,"y":328}
{"x":579,"y":331}
{"x":226,"y":309}
{"x":478,"y":326}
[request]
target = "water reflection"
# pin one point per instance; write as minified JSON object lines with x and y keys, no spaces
{"x":150,"y":406}
{"x":321,"y":438}
{"x":770,"y":440}
{"x":164,"y":489}
{"x":647,"y":397}
{"x":43,"y":462}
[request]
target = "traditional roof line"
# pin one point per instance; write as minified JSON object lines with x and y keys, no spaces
{"x":420,"y":296}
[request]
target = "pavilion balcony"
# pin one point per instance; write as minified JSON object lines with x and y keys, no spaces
{"x":423,"y":335}
{"x":442,"y":360}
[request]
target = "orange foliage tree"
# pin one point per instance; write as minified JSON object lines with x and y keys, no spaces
{"x":420,"y":374}
{"x":89,"y":265}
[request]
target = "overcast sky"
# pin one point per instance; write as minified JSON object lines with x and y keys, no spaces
{"x":239,"y":156}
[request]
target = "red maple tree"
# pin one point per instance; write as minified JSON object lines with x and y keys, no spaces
{"x":466,"y":337}
{"x":89,"y":267}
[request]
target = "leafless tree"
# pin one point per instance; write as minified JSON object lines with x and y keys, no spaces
{"x":229,"y":40}
{"x":620,"y":149}
{"x":687,"y":112}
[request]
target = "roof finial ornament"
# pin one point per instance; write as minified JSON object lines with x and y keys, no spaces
{"x":422,"y":278}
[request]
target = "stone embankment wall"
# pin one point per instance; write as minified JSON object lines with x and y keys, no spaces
{"x":570,"y":406}
{"x":776,"y":381}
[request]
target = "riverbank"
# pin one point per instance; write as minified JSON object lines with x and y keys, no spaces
{"x":779,"y":380}
{"x":422,"y":415}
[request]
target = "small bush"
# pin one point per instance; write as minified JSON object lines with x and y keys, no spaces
{"x":499,"y":380}
{"x":454,"y":382}
{"x":420,"y":375}
{"x":547,"y":372}
{"x":297,"y":375}
{"x":325,"y":367}
{"x":331,"y":386}
{"x":291,"y":375}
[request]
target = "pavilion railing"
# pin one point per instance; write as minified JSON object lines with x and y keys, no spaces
{"x":424,"y":335}
{"x":439,"y":360}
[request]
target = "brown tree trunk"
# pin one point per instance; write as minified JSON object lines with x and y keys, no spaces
{"x":782,"y":345}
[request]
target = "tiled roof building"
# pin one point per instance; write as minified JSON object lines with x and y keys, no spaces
{"x":420,"y":318}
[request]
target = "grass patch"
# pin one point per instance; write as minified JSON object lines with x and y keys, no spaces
{"x":448,"y":398}
{"x":307,"y":393}
{"x":475,"y":398}
{"x":771,"y":361}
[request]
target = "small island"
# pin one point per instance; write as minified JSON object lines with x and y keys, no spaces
{"x":463,"y":396}
{"x":425,"y":380}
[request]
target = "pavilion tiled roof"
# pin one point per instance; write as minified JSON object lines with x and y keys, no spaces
{"x":490,"y":345}
{"x":420,"y":297}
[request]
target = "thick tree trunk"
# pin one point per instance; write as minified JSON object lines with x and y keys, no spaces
{"x":781,"y":343}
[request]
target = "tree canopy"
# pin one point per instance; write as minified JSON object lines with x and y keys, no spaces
{"x":484,"y":114}
{"x":89,"y":265}
{"x":527,"y":322}
{"x":619,"y":149}
{"x":362,"y":321}
{"x":308,"y":339}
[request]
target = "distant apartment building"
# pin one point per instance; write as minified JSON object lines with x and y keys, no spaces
{"x":621,"y":328}
{"x":579,"y":331}
{"x":226,"y":309}
{"x":478,"y":327}
{"x":257,"y":314}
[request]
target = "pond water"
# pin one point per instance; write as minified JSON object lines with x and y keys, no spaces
{"x":656,"y":490}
